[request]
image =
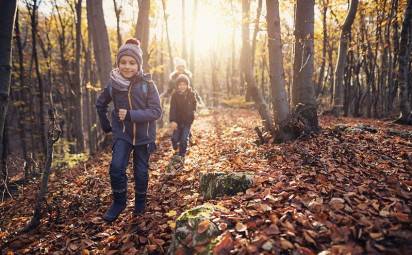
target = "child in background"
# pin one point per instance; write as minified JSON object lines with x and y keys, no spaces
{"x":182,"y":114}
{"x":136,"y":109}
{"x":180,"y":68}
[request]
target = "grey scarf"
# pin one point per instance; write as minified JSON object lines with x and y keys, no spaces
{"x":119,"y":82}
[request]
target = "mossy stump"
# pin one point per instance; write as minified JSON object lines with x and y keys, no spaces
{"x":218,"y":184}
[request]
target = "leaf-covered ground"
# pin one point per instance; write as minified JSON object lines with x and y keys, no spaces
{"x":340,"y":191}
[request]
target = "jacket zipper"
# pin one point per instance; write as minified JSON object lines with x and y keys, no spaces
{"x":131,"y":108}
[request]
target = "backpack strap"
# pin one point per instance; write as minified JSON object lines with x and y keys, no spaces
{"x":147,"y":80}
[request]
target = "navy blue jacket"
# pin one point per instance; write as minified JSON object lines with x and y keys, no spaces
{"x":183,"y":107}
{"x":142,"y":102}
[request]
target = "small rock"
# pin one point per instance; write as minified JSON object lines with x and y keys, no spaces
{"x":268,"y":245}
{"x":217,"y":184}
{"x":337,"y":203}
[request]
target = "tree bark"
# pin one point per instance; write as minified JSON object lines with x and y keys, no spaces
{"x":184,"y":44}
{"x":118,"y":11}
{"x":256,"y":30}
{"x":100,"y":38}
{"x":252,"y":88}
{"x":277,"y":78}
{"x":404,"y":58}
{"x":142,"y":30}
{"x":319,"y":87}
{"x":192,"y":42}
{"x":7,"y":17}
{"x":33,"y":9}
{"x":302,"y":88}
{"x":78,"y":87}
{"x":244,"y":54}
{"x":338,"y":93}
{"x":21,"y":96}
{"x":169,"y":45}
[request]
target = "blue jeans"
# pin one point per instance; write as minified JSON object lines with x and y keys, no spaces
{"x":180,"y":138}
{"x":120,"y":160}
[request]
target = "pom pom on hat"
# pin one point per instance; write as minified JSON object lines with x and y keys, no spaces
{"x":179,"y":62}
{"x":132,"y":41}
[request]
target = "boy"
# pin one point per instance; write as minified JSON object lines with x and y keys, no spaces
{"x":182,"y":114}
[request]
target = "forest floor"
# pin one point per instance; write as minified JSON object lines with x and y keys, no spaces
{"x":342,"y":191}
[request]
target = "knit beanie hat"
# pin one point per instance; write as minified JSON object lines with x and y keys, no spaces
{"x":179,"y":62}
{"x":131,"y":48}
{"x":183,"y":78}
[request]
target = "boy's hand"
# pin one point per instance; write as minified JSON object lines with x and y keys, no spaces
{"x":122,"y":114}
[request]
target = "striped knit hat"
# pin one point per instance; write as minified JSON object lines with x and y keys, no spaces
{"x":131,"y":48}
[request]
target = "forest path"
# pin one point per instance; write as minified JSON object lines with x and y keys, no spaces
{"x":338,"y":191}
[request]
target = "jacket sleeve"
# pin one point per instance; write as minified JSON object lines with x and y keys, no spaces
{"x":194,"y":102}
{"x":172,"y":112}
{"x":102,"y":103}
{"x":153,"y":110}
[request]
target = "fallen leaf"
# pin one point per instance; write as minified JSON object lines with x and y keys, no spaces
{"x":172,"y":224}
{"x":240,"y":227}
{"x":402,"y":217}
{"x":337,"y":203}
{"x":203,"y":226}
{"x":222,"y":226}
{"x":171,"y":213}
{"x":151,"y":247}
{"x":224,"y":246}
{"x":285,"y":244}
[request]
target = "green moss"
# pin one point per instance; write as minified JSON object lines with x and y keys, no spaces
{"x":62,"y":156}
{"x":195,"y":214}
{"x":187,"y":225}
{"x":217,"y":184}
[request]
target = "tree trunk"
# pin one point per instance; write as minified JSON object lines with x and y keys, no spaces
{"x":118,"y":11}
{"x":184,"y":44}
{"x":7,"y":16}
{"x":338,"y":90}
{"x":256,"y":30}
{"x":319,"y":85}
{"x":302,"y":88}
{"x":338,"y":93}
{"x":142,"y":30}
{"x":169,"y":45}
{"x":277,"y":78}
{"x":244,"y":65}
{"x":404,"y":57}
{"x":100,"y":38}
{"x":21,"y":96}
{"x":192,"y":42}
{"x":78,"y":118}
{"x":252,"y":88}
{"x":33,"y":16}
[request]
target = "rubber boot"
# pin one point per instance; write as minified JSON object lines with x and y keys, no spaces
{"x":139,"y":204}
{"x":117,"y":207}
